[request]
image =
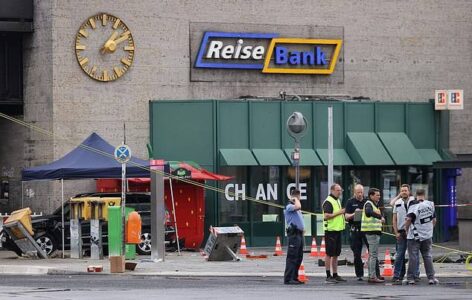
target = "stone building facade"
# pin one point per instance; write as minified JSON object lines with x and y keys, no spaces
{"x":392,"y":51}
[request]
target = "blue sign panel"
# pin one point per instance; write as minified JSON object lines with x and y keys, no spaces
{"x":223,"y":56}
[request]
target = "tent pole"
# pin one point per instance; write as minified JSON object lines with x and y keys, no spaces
{"x":173,"y":212}
{"x":62,"y":216}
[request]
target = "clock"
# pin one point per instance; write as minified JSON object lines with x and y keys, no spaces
{"x":104,"y":47}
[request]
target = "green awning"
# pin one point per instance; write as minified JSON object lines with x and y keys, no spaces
{"x":271,"y":157}
{"x":308,"y":157}
{"x":237,"y":157}
{"x":365,"y":148}
{"x":400,"y":148}
{"x":340,"y":157}
{"x":429,"y":156}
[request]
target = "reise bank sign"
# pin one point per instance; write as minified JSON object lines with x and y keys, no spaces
{"x":267,"y":52}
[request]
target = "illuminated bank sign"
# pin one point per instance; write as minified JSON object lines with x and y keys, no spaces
{"x":267,"y":52}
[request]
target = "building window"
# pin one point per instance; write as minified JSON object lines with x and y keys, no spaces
{"x":265,"y":186}
{"x":322,"y":182}
{"x":421,"y":178}
{"x":390,"y":181}
{"x":233,"y":206}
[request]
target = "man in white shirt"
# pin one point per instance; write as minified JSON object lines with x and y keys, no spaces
{"x":419,"y":225}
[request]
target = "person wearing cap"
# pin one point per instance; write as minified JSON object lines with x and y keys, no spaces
{"x":334,"y":224}
{"x":295,"y":229}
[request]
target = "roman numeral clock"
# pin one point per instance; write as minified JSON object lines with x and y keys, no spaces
{"x":104,"y":47}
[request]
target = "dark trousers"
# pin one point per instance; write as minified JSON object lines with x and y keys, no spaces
{"x":294,"y":256}
{"x":358,"y":239}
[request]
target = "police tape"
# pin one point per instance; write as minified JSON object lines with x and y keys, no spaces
{"x":161,"y":172}
{"x":208,"y":187}
{"x":468,"y":262}
{"x":454,"y":205}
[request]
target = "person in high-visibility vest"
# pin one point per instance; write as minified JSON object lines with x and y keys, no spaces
{"x":371,"y":224}
{"x":333,"y":221}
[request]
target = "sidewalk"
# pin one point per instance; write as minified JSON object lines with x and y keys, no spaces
{"x":193,"y":264}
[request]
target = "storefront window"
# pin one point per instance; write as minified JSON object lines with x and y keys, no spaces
{"x":359,"y":176}
{"x":233,"y":208}
{"x":265,"y":186}
{"x":421,"y":178}
{"x":390,"y":181}
{"x":322,"y":177}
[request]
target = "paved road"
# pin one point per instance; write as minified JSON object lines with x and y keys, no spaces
{"x":150,"y":287}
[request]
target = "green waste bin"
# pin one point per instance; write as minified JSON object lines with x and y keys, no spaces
{"x":115,"y":233}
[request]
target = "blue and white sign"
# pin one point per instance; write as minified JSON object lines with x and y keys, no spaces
{"x":122,"y":154}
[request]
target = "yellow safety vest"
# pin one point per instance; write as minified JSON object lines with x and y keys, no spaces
{"x":371,"y":223}
{"x":337,"y":223}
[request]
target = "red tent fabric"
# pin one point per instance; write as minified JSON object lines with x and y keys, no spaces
{"x":194,"y":171}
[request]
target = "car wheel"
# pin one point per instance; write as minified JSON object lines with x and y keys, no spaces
{"x":144,"y":248}
{"x":46,"y":243}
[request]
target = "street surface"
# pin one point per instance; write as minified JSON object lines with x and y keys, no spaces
{"x":114,"y":287}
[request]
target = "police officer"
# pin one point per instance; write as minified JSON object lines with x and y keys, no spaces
{"x":295,"y":229}
{"x":354,"y":207}
{"x":333,"y":221}
{"x":420,"y":222}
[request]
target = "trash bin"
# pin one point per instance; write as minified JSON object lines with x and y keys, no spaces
{"x":24,"y":217}
{"x":115,"y":233}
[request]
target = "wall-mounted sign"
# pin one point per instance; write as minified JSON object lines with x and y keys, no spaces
{"x":448,"y":99}
{"x":455,"y":99}
{"x":235,"y":191}
{"x":182,"y":173}
{"x":267,"y":52}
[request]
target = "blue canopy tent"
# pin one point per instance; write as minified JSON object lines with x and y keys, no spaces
{"x":92,"y":159}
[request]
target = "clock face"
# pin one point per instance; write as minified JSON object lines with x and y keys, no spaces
{"x":104,"y":47}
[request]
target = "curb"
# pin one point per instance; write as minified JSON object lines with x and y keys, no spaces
{"x":24,"y":270}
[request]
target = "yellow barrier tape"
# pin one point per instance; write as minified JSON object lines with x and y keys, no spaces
{"x":208,"y":187}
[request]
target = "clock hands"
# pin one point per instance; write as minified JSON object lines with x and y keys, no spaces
{"x":112,"y":42}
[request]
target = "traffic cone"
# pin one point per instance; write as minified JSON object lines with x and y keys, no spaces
{"x":322,"y":252}
{"x":314,"y":248}
{"x":388,"y":271}
{"x":243,"y":249}
{"x":366,"y":258}
{"x":301,"y":274}
{"x":278,"y":247}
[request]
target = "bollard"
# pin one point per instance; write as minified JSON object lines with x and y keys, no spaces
{"x":76,"y":208}
{"x":96,"y":244}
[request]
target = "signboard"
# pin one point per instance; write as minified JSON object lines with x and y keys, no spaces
{"x":302,"y":55}
{"x":440,"y":99}
{"x":182,"y":173}
{"x":122,"y":154}
{"x":267,"y":52}
{"x":455,"y":99}
{"x":448,"y":99}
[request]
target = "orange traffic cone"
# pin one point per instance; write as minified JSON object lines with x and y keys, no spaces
{"x":243,"y":249}
{"x":365,"y":257}
{"x":278,"y":248}
{"x":314,"y":248}
{"x":322,"y":252}
{"x":388,"y":271}
{"x":301,"y":274}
